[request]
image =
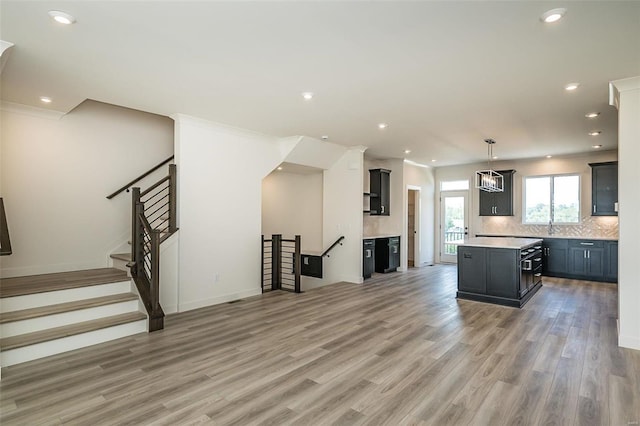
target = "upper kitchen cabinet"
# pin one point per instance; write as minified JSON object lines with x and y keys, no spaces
{"x":498,"y":203}
{"x":380,"y":197}
{"x":604,"y":188}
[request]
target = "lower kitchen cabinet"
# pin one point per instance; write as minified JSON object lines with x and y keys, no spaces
{"x":555,"y":255}
{"x":387,"y":254}
{"x":368,"y":257}
{"x":586,"y":259}
{"x":499,"y":275}
{"x":611,"y":256}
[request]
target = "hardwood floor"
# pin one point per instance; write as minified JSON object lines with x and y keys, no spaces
{"x":399,"y":349}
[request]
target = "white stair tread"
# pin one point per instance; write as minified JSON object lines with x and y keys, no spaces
{"x":22,"y":340}
{"x":42,"y":311}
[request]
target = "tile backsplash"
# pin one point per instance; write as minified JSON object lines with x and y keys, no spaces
{"x":589,"y":227}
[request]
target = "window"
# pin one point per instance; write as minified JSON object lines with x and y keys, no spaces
{"x":552,"y":198}
{"x":454,"y":185}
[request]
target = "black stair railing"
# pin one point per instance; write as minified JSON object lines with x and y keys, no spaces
{"x":153,"y":221}
{"x":281,"y":264}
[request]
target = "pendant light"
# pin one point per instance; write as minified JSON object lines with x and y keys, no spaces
{"x":489,"y":180}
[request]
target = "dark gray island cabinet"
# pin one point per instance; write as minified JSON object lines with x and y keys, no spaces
{"x":505,"y":271}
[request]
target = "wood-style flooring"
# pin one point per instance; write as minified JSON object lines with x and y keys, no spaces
{"x":399,"y":349}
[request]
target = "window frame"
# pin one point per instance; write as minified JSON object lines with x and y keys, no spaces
{"x":551,"y":193}
{"x":455,"y":188}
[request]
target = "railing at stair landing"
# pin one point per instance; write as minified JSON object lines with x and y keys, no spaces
{"x":153,"y":221}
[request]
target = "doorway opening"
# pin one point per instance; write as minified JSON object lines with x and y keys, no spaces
{"x":413,"y":228}
{"x":454,"y":224}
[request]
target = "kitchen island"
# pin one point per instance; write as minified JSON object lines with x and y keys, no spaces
{"x":505,"y":271}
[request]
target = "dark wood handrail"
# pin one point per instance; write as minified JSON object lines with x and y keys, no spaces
{"x":142,"y":176}
{"x":5,"y":241}
{"x":338,"y":241}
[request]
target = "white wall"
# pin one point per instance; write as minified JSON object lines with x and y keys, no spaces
{"x":424,"y":179}
{"x":342,"y":215}
{"x":55,"y":175}
{"x":512,"y":225}
{"x":292,"y":205}
{"x":626,"y":96}
{"x":220,"y":191}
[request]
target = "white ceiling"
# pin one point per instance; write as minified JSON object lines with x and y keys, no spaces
{"x":443,"y":75}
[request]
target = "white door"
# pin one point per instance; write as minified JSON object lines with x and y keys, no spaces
{"x":454,"y":223}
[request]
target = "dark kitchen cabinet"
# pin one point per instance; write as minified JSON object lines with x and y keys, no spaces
{"x":611,"y":257}
{"x":472,"y":270}
{"x":604,"y":188}
{"x":586,"y":259}
{"x":498,"y":275}
{"x":387,"y":254}
{"x":501,"y":276}
{"x":368,"y":257}
{"x":379,"y":192}
{"x":555,"y":255}
{"x":498,"y":203}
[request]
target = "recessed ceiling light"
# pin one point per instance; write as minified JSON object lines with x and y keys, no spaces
{"x":592,"y":114}
{"x":595,"y":133}
{"x":279,"y":167}
{"x":495,"y":157}
{"x":434,"y":160}
{"x":324,"y":137}
{"x":407,"y":151}
{"x":571,"y":87}
{"x":45,"y":99}
{"x":62,"y":17}
{"x":549,"y":156}
{"x":553,"y":15}
{"x":307,"y":95}
{"x":596,"y":146}
{"x":383,"y":126}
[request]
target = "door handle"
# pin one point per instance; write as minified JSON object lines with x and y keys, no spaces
{"x":382,"y":209}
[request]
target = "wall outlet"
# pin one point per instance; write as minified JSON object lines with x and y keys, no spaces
{"x":216,"y":278}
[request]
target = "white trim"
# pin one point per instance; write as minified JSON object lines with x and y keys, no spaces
{"x":48,"y":114}
{"x":629,"y":342}
{"x":217,"y":300}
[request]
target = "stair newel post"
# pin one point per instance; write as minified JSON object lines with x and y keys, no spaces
{"x":173,"y":201}
{"x":156,"y":317}
{"x":297,"y":265}
{"x":276,"y":261}
{"x":135,"y":228}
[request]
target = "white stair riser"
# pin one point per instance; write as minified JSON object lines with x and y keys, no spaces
{"x":65,"y":344}
{"x":67,"y":318}
{"x":29,"y":301}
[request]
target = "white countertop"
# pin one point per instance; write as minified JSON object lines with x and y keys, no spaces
{"x":500,"y":242}
{"x":380,"y":236}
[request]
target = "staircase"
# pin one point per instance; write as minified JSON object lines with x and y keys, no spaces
{"x":43,"y":315}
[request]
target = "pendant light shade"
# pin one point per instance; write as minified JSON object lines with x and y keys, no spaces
{"x":489,"y":180}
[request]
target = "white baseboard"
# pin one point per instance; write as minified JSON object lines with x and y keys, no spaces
{"x":188,"y":306}
{"x":630,"y":342}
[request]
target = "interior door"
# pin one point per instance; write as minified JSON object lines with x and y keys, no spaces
{"x":454,"y":223}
